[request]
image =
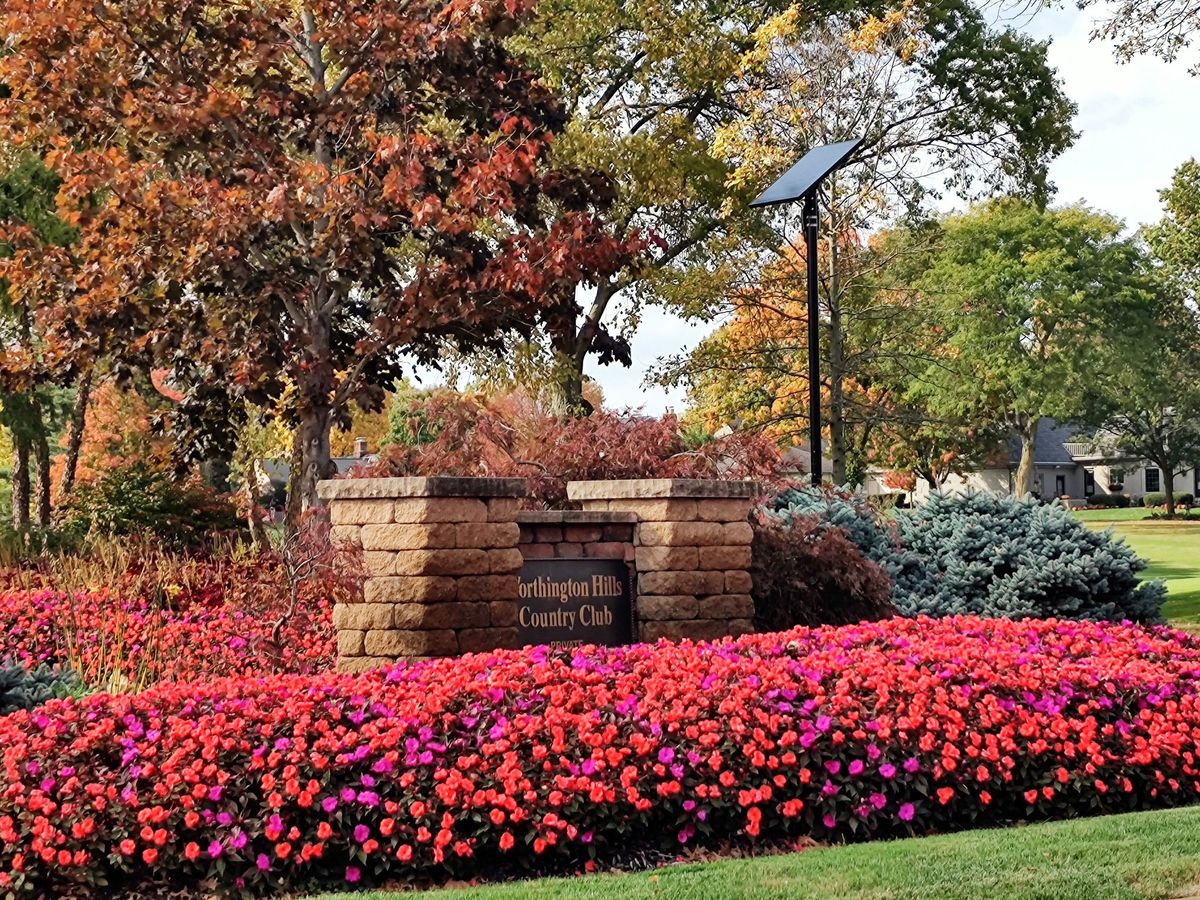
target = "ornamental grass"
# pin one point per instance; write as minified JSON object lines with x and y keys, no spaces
{"x":529,"y":762}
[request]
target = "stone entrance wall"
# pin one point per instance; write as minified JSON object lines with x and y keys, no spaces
{"x":691,"y":552}
{"x":443,"y":556}
{"x":441,"y":560}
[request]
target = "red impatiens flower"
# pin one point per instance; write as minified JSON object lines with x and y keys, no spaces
{"x":431,"y":769}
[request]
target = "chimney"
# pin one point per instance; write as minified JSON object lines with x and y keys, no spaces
{"x":360,"y":448}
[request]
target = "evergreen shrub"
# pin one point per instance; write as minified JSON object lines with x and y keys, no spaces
{"x":1110,"y":501}
{"x":22,"y":688}
{"x":866,"y":526}
{"x":998,"y":556}
{"x":145,"y":498}
{"x":982,"y":554}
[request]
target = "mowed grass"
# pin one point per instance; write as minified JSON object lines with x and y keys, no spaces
{"x":1171,"y":548}
{"x":1140,"y":855}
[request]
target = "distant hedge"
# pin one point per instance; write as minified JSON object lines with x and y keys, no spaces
{"x":1158,"y":498}
{"x":1115,"y":501}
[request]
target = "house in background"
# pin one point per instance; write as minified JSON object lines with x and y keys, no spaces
{"x":1067,"y":464}
{"x":279,"y":471}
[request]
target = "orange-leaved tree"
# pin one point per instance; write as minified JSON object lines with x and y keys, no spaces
{"x":301,"y":192}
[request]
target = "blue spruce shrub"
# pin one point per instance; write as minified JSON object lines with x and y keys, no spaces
{"x":987,"y":555}
{"x":997,"y":556}
{"x":876,"y":538}
{"x":22,"y":688}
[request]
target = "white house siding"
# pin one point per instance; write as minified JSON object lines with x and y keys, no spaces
{"x":1133,"y":480}
{"x":992,"y":481}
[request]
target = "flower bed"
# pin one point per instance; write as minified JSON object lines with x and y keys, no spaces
{"x":128,"y":642}
{"x":542,"y":761}
{"x":171,"y":619}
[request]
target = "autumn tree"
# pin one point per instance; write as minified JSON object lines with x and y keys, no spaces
{"x":1033,"y":304}
{"x":296,"y":193}
{"x":945,"y":103}
{"x":648,"y":89}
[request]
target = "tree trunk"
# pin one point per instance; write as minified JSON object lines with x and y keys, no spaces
{"x":1168,"y":475}
{"x":570,"y":385}
{"x":311,"y":462}
{"x":41,"y":450}
{"x":20,"y":480}
{"x":1026,"y":470}
{"x":83,"y":394}
{"x":572,"y":345}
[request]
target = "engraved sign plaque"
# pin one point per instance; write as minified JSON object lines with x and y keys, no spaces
{"x":567,"y":602}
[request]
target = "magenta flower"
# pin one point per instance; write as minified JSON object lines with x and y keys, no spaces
{"x":907,"y":811}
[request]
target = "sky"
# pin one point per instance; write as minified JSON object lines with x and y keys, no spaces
{"x":1137,"y":121}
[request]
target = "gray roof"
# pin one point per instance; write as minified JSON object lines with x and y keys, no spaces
{"x":1051,"y":436}
{"x":279,"y":471}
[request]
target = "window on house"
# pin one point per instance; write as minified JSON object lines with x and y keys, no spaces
{"x":1196,"y":481}
{"x":1089,"y":482}
{"x":1153,"y":481}
{"x":1060,"y":485}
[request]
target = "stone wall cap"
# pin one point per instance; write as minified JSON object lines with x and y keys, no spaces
{"x":575,"y":517}
{"x":659,"y":488}
{"x":432,"y":486}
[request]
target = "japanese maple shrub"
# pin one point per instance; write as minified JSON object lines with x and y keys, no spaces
{"x":807,"y":571}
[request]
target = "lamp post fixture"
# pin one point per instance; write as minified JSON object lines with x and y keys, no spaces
{"x":801,"y":182}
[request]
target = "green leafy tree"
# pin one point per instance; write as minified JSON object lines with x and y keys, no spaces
{"x":1175,"y":240}
{"x":1033,"y":303}
{"x":1162,"y":28}
{"x":945,"y":103}
{"x":31,"y":407}
{"x":1156,"y":392}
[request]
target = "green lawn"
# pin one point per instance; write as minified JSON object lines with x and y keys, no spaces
{"x":1140,"y":855}
{"x":1173,"y":550}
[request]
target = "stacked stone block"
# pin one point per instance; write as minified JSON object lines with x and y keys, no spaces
{"x":441,"y":558}
{"x":576,"y":534}
{"x":691,"y":552}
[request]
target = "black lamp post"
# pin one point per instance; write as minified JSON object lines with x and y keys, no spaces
{"x":801,"y":182}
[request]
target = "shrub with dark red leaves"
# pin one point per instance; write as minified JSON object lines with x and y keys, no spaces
{"x":809,"y":572}
{"x":515,"y":436}
{"x":536,"y":761}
